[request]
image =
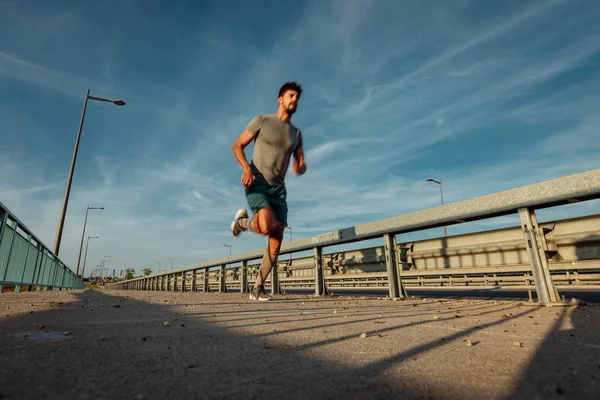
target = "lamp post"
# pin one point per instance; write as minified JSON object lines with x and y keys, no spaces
{"x":85,"y":256}
{"x":441,"y":196}
{"x":103,"y":263}
{"x":228,"y":245}
{"x":83,"y":234}
{"x":170,"y":259}
{"x":61,"y":221}
{"x":290,"y":228}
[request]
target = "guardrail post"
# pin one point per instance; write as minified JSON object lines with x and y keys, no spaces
{"x":18,"y":287}
{"x":275,"y":279}
{"x":205,"y":286}
{"x":194,"y":283}
{"x":183,"y":282}
{"x":244,"y":278}
{"x":3,"y":217}
{"x":37,"y":270}
{"x":222,"y":276}
{"x":544,"y":286}
{"x":395,"y":285}
{"x":320,"y":288}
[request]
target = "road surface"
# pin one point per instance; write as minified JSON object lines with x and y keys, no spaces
{"x":95,"y":344}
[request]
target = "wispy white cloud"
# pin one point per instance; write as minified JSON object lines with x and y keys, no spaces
{"x":393,"y":94}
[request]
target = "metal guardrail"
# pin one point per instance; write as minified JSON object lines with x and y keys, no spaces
{"x":26,"y":261}
{"x":489,"y":259}
{"x":522,"y":201}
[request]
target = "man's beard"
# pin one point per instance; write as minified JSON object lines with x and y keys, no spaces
{"x":292,"y":109}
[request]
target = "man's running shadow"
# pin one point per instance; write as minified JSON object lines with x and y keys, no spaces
{"x":567,"y":364}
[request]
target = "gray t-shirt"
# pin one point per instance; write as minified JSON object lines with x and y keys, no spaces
{"x":274,"y":143}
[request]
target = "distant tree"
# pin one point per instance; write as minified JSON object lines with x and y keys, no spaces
{"x":147,"y":271}
{"x":129,"y":273}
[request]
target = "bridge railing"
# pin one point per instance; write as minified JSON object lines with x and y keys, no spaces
{"x":523,"y":201}
{"x":26,"y":261}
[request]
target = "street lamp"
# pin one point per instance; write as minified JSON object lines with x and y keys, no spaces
{"x":85,"y":256}
{"x":228,"y":245}
{"x":83,"y":234}
{"x":61,"y":221}
{"x":441,"y":196}
{"x":290,"y":228}
{"x":103,"y":263}
{"x":171,"y":262}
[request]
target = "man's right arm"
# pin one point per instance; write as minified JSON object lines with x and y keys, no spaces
{"x":240,"y":144}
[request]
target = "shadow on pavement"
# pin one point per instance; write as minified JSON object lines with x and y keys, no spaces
{"x":117,"y":347}
{"x":567,"y":364}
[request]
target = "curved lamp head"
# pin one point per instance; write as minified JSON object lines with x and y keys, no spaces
{"x":429,"y":179}
{"x":119,"y":102}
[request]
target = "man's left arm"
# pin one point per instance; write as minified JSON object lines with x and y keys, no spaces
{"x":299,"y":165}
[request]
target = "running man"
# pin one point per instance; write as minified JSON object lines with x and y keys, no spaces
{"x":275,"y":140}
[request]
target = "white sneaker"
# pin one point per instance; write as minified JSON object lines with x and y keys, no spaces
{"x":258,"y":293}
{"x":235,"y":229}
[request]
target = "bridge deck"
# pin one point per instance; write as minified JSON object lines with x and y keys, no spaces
{"x":224,"y":346}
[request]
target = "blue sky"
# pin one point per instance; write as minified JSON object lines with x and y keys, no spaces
{"x":485,"y":96}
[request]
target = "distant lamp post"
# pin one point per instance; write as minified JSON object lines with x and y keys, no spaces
{"x":61,"y":221}
{"x":85,"y":256}
{"x":170,"y":259}
{"x":83,"y":235}
{"x":103,"y":266}
{"x":290,"y":228}
{"x":228,"y":245}
{"x":441,"y":196}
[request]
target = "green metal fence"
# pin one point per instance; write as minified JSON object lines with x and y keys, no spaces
{"x":26,"y":261}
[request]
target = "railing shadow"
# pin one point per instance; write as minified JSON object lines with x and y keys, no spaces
{"x":573,"y":341}
{"x":567,"y":364}
{"x":119,"y":348}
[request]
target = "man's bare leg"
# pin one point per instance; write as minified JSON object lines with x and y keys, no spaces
{"x":265,"y":223}
{"x":269,"y":259}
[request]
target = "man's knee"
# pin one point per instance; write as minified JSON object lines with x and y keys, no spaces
{"x":275,"y":239}
{"x":266,"y":222}
{"x":278,"y":230}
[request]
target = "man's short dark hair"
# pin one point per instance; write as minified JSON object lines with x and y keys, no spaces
{"x":290,"y":86}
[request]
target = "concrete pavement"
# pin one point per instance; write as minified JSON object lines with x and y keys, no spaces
{"x":96,"y":344}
